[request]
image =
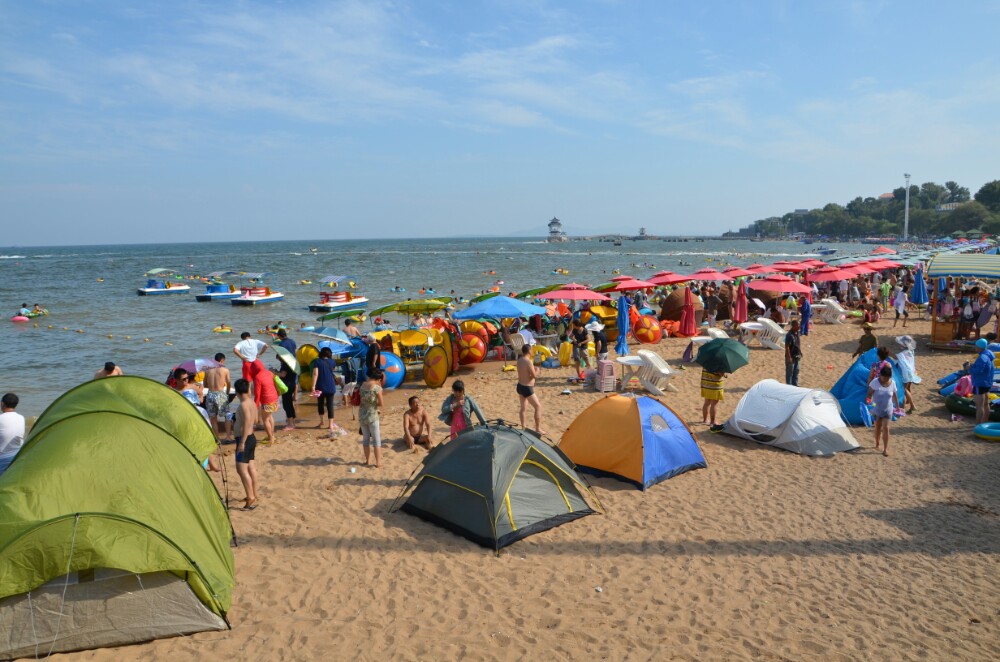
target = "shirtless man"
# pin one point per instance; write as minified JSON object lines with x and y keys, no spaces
{"x":110,"y":370}
{"x":526,"y":373}
{"x":217,"y":382}
{"x":416,"y":425}
{"x":351,"y":330}
{"x":246,"y":443}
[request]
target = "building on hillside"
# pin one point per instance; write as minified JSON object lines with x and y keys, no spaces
{"x":556,"y":234}
{"x":887,"y":196}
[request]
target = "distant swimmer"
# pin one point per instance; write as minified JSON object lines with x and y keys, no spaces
{"x":109,"y":370}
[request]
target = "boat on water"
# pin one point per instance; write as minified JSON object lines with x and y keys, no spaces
{"x":338,"y":299}
{"x":823,"y":250}
{"x":218,"y":290}
{"x":158,"y":282}
{"x":257,"y":288}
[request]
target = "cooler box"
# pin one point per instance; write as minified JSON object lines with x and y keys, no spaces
{"x":604,"y":380}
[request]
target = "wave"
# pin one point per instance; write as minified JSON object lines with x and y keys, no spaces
{"x":13,"y":257}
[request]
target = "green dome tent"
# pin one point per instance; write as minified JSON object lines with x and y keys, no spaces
{"x":111,"y":532}
{"x":495,"y":484}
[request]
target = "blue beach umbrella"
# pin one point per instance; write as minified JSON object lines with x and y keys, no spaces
{"x":499,"y":307}
{"x":621,"y":345}
{"x":919,"y":294}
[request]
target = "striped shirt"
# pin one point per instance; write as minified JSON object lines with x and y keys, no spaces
{"x":711,"y":381}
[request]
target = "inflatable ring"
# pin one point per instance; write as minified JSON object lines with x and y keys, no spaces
{"x":988,"y":431}
{"x":540,"y":353}
{"x":220,"y":329}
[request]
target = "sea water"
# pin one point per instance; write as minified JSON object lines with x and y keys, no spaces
{"x":96,"y":315}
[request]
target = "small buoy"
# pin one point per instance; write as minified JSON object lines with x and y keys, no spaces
{"x":65,"y":328}
{"x":110,"y":336}
{"x":79,"y":330}
{"x":128,"y":337}
{"x":145,"y":340}
{"x":169,"y":344}
{"x":52,"y":326}
{"x":35,"y":325}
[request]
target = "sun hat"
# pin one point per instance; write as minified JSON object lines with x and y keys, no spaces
{"x":593,"y":325}
{"x":867,"y":325}
{"x":982,"y":343}
{"x":906,"y":342}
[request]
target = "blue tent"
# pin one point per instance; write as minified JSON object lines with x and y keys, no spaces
{"x":623,"y":323}
{"x":852,"y":387}
{"x":636,"y":439}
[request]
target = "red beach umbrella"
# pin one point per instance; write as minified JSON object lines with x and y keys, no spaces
{"x":575,"y":292}
{"x":761,"y":269}
{"x":884,"y":250}
{"x":794,"y":267}
{"x":778,"y":283}
{"x":733,"y":273}
{"x":830,"y":273}
{"x":708,"y":273}
{"x":740,"y":305}
{"x":668,"y":278}
{"x":628,"y":283}
{"x":688,"y":327}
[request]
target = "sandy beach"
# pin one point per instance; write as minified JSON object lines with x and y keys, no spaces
{"x":764,"y":555}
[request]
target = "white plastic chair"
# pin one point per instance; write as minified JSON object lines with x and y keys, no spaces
{"x":772,"y":336}
{"x":831,"y":312}
{"x":655,"y":374}
{"x":710,"y":334}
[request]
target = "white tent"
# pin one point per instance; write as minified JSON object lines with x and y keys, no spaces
{"x":801,"y":420}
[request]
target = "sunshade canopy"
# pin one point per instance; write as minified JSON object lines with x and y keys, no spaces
{"x":499,"y":307}
{"x":978,"y":265}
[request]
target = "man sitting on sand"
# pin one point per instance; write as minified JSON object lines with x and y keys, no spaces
{"x":416,"y":425}
{"x":110,"y":370}
{"x":526,"y":373}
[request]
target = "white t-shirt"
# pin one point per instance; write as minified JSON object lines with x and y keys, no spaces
{"x":11,"y":433}
{"x":250,"y":348}
{"x":900,"y":302}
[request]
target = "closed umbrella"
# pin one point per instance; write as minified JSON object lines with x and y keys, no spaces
{"x":624,"y":324}
{"x":688,"y":326}
{"x":919,"y":293}
{"x":740,"y":305}
{"x":723,"y":355}
{"x":499,"y":307}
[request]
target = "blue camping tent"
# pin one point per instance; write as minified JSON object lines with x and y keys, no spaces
{"x":852,"y":387}
{"x":636,"y":439}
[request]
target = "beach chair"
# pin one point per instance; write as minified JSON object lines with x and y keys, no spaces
{"x":831,"y":312}
{"x":516,"y":343}
{"x":655,"y":374}
{"x":697,"y":341}
{"x":768,"y":333}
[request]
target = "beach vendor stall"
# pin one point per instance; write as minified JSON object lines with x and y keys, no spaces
{"x":945,"y":327}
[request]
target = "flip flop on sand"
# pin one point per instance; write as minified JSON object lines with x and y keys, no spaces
{"x":250,"y":506}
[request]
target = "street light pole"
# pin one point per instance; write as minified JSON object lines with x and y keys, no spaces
{"x":906,"y":211}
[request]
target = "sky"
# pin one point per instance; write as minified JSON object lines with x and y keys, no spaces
{"x":143,"y":122}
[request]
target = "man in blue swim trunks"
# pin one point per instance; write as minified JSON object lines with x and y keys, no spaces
{"x":246,"y":443}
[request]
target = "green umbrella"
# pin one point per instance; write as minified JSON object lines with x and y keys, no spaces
{"x":605,"y":287}
{"x":340,"y":314}
{"x":419,"y":306}
{"x":287,"y":358}
{"x":536,"y":291}
{"x":384,"y":309}
{"x":483,"y":297}
{"x":443,"y":299}
{"x":723,"y":355}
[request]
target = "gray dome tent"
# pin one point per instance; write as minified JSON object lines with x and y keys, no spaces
{"x":495,"y":485}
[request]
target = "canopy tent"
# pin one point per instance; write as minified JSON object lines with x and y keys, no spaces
{"x":495,"y":484}
{"x":639,"y":440}
{"x":852,"y":387}
{"x":800,"y":420}
{"x":111,"y":533}
{"x":499,"y":307}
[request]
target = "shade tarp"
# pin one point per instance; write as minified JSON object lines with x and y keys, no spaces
{"x":976,"y":265}
{"x":852,"y":387}
{"x":639,"y":440}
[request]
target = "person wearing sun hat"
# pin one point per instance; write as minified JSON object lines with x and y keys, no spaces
{"x":600,"y":338}
{"x":867,"y":341}
{"x":981,"y":372}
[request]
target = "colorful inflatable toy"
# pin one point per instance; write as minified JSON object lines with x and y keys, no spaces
{"x":988,"y":431}
{"x":394,"y":370}
{"x":436,"y":367}
{"x":471,"y":349}
{"x":647,"y":330}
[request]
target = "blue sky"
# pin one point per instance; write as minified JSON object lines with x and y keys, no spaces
{"x":142,"y":121}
